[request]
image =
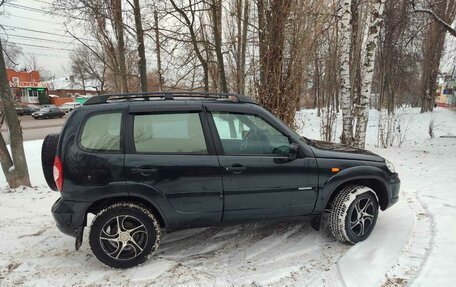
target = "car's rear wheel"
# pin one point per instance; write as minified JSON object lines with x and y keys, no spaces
{"x":353,"y":214}
{"x":48,"y":151}
{"x":124,"y":235}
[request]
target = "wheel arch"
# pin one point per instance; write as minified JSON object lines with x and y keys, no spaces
{"x":377,"y":185}
{"x":370,"y":176}
{"x":100,"y":204}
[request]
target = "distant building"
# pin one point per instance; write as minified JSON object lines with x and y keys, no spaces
{"x":26,"y":86}
{"x":447,"y":91}
{"x":69,"y":87}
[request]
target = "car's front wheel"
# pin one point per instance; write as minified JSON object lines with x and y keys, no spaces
{"x":353,"y":214}
{"x":124,"y":235}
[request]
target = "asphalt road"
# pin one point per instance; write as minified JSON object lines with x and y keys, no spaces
{"x":36,"y":129}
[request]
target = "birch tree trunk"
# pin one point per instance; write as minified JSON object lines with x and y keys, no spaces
{"x":345,"y":82}
{"x":367,"y":71}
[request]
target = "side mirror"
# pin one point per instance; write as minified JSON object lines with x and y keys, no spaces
{"x":293,"y":152}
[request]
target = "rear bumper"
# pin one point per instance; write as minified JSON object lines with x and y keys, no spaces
{"x":69,"y":216}
{"x":394,"y":185}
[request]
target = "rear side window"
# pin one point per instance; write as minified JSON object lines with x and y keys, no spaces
{"x":102,"y":132}
{"x":169,"y":133}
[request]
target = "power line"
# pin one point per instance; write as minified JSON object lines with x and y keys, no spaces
{"x":44,"y":32}
{"x":28,"y":18}
{"x":44,"y":2}
{"x":17,"y":6}
{"x":43,"y":47}
{"x":36,"y":38}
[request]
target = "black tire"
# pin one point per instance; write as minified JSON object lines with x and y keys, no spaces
{"x":353,"y":214}
{"x":122,"y":249}
{"x":48,"y":151}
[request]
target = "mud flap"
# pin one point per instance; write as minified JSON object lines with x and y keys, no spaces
{"x":79,"y":234}
{"x":316,"y":222}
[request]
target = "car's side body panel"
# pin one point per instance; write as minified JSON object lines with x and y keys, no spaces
{"x":190,"y":190}
{"x":189,"y":185}
{"x":270,"y":186}
{"x":88,"y":175}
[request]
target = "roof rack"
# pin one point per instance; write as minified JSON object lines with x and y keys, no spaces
{"x":101,"y":99}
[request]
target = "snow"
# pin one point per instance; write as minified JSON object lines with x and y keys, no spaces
{"x":413,"y":242}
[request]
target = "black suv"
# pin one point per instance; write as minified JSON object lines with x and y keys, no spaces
{"x":143,"y":162}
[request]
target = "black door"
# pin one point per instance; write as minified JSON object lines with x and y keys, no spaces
{"x":94,"y":160}
{"x":258,"y":181}
{"x":170,"y":162}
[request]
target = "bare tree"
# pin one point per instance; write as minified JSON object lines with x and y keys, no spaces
{"x":87,"y":66}
{"x":433,"y":46}
{"x":443,"y":22}
{"x":238,"y":42}
{"x":14,"y":165}
{"x":216,"y":13}
{"x":345,"y":88}
{"x":367,"y":70}
{"x":190,"y":22}
{"x":158,"y":51}
{"x":30,"y":62}
{"x":142,"y":66}
{"x":272,"y":22}
{"x":119,"y":33}
{"x":12,"y":52}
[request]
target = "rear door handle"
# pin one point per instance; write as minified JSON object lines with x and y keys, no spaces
{"x":236,"y":169}
{"x":144,"y":171}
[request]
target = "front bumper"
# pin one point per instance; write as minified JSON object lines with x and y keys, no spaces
{"x":394,"y":185}
{"x":70,"y":216}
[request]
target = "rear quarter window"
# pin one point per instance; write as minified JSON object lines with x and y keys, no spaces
{"x":101,"y":132}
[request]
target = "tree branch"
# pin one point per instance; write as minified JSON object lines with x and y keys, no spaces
{"x":437,"y":19}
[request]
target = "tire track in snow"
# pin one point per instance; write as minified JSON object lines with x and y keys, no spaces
{"x":419,"y":246}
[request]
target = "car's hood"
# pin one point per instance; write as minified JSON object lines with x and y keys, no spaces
{"x":323,"y":149}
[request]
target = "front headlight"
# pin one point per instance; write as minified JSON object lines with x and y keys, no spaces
{"x":390,"y":166}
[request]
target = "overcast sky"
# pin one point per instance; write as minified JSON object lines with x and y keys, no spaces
{"x":52,"y":47}
{"x":37,"y":32}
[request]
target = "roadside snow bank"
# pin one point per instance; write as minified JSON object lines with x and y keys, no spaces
{"x":33,"y":156}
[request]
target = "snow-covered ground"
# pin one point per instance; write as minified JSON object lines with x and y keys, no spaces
{"x":413,"y":242}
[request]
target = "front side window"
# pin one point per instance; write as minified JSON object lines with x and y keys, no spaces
{"x":249,"y":134}
{"x":169,"y":133}
{"x":102,"y":132}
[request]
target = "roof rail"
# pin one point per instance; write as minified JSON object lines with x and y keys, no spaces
{"x":101,"y":99}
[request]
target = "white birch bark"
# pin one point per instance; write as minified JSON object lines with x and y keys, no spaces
{"x":367,"y":70}
{"x":345,"y":82}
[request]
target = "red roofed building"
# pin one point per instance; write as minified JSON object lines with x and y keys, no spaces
{"x":27,"y":87}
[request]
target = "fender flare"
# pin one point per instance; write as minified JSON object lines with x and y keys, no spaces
{"x":355,"y":174}
{"x":150,"y":201}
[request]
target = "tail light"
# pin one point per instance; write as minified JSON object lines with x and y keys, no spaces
{"x":58,"y":173}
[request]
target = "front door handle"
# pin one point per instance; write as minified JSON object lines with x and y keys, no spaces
{"x":144,"y":171}
{"x":236,"y":169}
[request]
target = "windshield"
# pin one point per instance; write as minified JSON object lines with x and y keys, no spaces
{"x":44,"y":110}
